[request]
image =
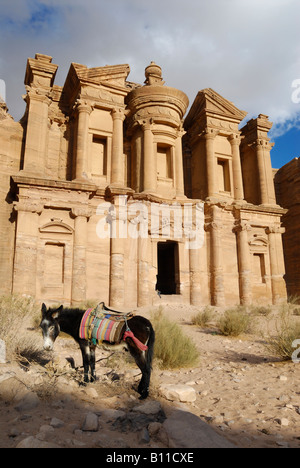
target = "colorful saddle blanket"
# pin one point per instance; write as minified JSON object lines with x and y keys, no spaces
{"x":100,"y":326}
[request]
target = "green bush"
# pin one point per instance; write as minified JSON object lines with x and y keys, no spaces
{"x":173,"y":349}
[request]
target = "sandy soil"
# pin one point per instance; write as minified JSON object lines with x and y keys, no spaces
{"x":245,"y":394}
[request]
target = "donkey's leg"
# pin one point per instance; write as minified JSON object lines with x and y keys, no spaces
{"x":93,"y":363}
{"x":140,"y":358}
{"x":144,"y":384}
{"x":86,"y":356}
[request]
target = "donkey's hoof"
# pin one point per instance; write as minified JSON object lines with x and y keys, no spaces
{"x":144,"y":395}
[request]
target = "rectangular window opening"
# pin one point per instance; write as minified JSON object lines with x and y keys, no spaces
{"x":99,"y":156}
{"x":259,"y":268}
{"x":224,"y":175}
{"x":54,"y":264}
{"x":164,"y":162}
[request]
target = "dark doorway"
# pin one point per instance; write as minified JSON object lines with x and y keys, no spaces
{"x":168,"y":268}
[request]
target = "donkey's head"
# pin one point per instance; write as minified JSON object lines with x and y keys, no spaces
{"x":50,"y":326}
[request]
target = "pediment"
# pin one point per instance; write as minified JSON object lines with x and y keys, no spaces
{"x":56,"y":227}
{"x":258,"y":241}
{"x":209,"y":102}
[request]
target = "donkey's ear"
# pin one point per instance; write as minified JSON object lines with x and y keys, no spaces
{"x":55,"y":313}
{"x":44,"y":309}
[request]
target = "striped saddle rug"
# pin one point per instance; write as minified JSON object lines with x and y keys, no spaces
{"x":99,"y":325}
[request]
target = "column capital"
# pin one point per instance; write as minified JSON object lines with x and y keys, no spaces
{"x":214,"y":226}
{"x":275,"y":229}
{"x":261,"y":143}
{"x":118,"y":113}
{"x":146,"y":124}
{"x":180,"y":132}
{"x":81,"y":211}
{"x":209,"y":133}
{"x":82,"y":105}
{"x":37,"y":95}
{"x":235,"y":139}
{"x":242,"y":226}
{"x":28,"y":206}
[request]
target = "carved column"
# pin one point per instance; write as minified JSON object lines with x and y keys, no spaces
{"x":116,"y":278}
{"x":150,"y":163}
{"x":179,"y":165}
{"x":25,"y":263}
{"x":264,"y":199}
{"x":84,"y":110}
{"x":216,"y":268}
{"x":244,"y":261}
{"x":78,"y":293}
{"x":117,"y":163}
{"x":266,"y":182}
{"x":195,"y":277}
{"x":237,"y":168}
{"x":276,"y":263}
{"x":209,"y":136}
{"x":143,"y":272}
{"x":36,"y":133}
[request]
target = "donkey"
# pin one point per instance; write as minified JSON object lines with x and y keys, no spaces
{"x":68,"y":321}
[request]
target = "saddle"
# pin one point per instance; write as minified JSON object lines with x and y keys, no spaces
{"x":100,"y":324}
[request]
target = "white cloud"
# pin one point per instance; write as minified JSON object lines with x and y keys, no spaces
{"x":247,"y":51}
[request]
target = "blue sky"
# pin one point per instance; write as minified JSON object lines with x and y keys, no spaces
{"x":248,"y":51}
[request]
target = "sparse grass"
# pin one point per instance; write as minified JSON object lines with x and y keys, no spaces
{"x":235,"y":322}
{"x":203,"y":318}
{"x":293,"y":299}
{"x":261,"y":310}
{"x":173,"y":349}
{"x":287,"y":331}
{"x":17,"y":315}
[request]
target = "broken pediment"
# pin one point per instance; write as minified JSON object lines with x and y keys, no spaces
{"x":209,"y":103}
{"x":80,"y":75}
{"x":116,"y":74}
{"x":113,"y":75}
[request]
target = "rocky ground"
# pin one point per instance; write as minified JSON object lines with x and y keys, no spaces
{"x":238,"y":394}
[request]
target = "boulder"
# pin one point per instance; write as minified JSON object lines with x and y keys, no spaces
{"x":32,"y":442}
{"x":185,"y":430}
{"x":183,"y":393}
{"x":29,"y":402}
{"x":91,"y":423}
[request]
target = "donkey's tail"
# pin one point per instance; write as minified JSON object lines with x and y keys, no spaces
{"x":150,"y":344}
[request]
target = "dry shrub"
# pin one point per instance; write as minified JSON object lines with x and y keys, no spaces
{"x":287,"y":331}
{"x":235,"y":322}
{"x":260,"y":310}
{"x":173,"y":349}
{"x":203,"y":318}
{"x":17,"y":314}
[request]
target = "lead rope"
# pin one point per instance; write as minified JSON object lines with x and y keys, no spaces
{"x":126,"y":322}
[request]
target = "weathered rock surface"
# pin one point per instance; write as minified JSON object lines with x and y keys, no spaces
{"x":185,"y":430}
